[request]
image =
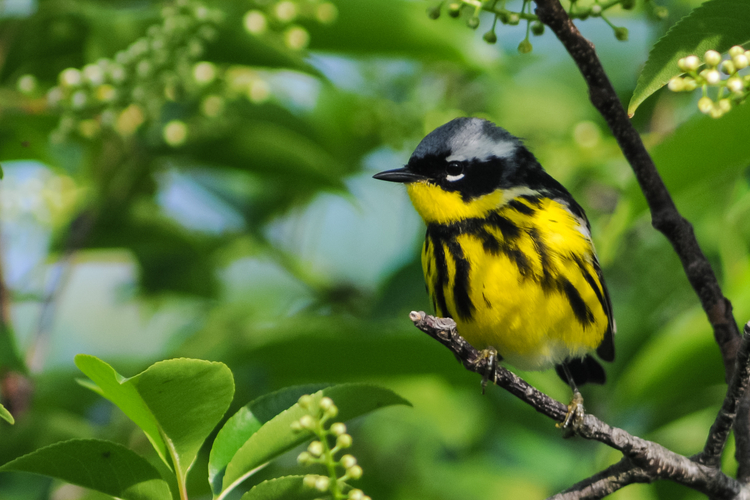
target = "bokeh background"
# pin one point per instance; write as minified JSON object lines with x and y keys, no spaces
{"x":194,"y":179}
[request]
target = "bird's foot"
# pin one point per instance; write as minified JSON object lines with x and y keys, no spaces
{"x":490,"y":356}
{"x":574,"y":417}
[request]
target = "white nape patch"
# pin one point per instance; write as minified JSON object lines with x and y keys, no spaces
{"x":454,"y":178}
{"x":516,"y":192}
{"x":472,"y":143}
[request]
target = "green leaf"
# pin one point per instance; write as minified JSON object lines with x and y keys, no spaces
{"x":716,"y":24}
{"x":686,"y":159}
{"x":276,"y":436}
{"x":245,"y":423}
{"x":176,"y":402}
{"x":99,"y":465}
{"x":5,"y":415}
{"x":282,"y":488}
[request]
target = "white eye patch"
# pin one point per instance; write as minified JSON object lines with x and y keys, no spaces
{"x":454,"y":178}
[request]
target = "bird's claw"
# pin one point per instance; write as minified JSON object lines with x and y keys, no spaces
{"x":490,"y":355}
{"x":574,"y":417}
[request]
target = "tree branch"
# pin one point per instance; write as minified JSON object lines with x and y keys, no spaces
{"x":664,"y":214}
{"x":605,"y":482}
{"x":653,"y":460}
{"x":717,"y":436}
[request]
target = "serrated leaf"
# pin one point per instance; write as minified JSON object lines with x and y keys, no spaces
{"x":276,"y":436}
{"x":98,"y":465}
{"x":282,"y":488}
{"x":176,"y":402}
{"x":246,"y":422}
{"x":5,"y":415}
{"x":716,"y":24}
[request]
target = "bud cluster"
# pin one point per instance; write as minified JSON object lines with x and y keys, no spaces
{"x":126,"y":91}
{"x":331,"y":439}
{"x":726,"y":75}
{"x":279,"y":21}
{"x":470,"y":9}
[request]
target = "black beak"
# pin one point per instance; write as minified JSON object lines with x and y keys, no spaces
{"x":399,"y":175}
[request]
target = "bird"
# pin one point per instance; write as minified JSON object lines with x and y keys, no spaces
{"x":508,"y":254}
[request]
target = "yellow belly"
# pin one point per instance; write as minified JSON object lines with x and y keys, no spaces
{"x":525,"y":312}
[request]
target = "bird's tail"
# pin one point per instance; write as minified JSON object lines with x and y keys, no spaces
{"x":585,"y":370}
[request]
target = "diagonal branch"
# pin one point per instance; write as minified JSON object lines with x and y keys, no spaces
{"x":717,"y":436}
{"x":664,"y":214}
{"x":655,"y":461}
{"x":605,"y":482}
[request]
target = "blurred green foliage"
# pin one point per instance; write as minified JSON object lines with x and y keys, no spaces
{"x":203,"y":189}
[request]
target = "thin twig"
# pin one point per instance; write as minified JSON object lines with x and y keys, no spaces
{"x":655,"y":461}
{"x":717,"y":436}
{"x":606,"y":482}
{"x":664,"y":214}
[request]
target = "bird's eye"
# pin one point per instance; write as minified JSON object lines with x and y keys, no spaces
{"x":454,"y":171}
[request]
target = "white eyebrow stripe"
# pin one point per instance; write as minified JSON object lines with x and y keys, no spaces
{"x":482,"y":149}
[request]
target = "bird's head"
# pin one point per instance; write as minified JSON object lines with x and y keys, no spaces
{"x":466,"y":168}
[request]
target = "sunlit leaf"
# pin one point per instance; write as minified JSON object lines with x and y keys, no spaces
{"x":176,"y":402}
{"x":5,"y":415}
{"x":716,"y":24}
{"x":99,"y":465}
{"x":277,"y":436}
{"x":282,"y":488}
{"x":246,"y":422}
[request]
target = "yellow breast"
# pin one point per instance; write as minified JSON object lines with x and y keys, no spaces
{"x":520,"y":278}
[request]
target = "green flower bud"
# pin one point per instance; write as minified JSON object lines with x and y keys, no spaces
{"x":514,"y":19}
{"x":712,"y":77}
{"x":727,"y":67}
{"x":454,"y":9}
{"x":348,"y":461}
{"x":356,"y":494}
{"x":736,"y":50}
{"x":537,"y":28}
{"x":296,"y":426}
{"x":305,"y":401}
{"x":735,"y":84}
{"x":712,"y":58}
{"x":325,"y":403}
{"x":596,"y":10}
{"x":473,"y":22}
{"x":344,"y":441}
{"x":315,"y":448}
{"x":621,"y":34}
{"x":675,"y":84}
{"x":321,"y":483}
{"x":740,"y":61}
{"x":307,"y":422}
{"x":627,"y":4}
{"x":689,"y":84}
{"x":692,"y":63}
{"x":433,"y":12}
{"x":354,"y":472}
{"x":525,"y":47}
{"x":490,"y":37}
{"x":309,"y":481}
{"x":705,"y":104}
{"x":338,"y":429}
{"x":725,"y":105}
{"x":304,"y":458}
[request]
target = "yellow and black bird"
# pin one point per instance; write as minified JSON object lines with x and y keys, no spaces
{"x":508,"y":252}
